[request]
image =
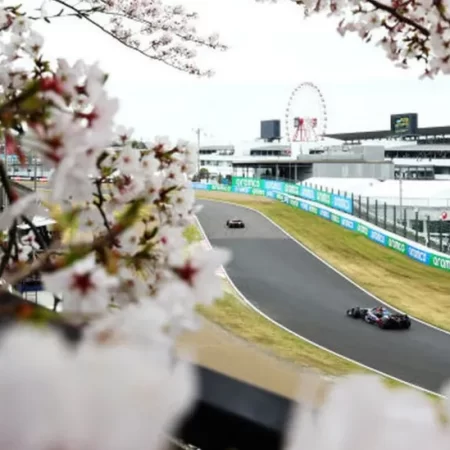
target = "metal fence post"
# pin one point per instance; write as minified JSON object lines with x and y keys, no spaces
{"x":427,"y":238}
{"x":385,"y":216}
{"x":405,"y":221}
{"x":367,"y":209}
{"x":440,"y":235}
{"x":359,"y":206}
{"x":416,"y":237}
{"x":395,"y":220}
{"x":376,"y":211}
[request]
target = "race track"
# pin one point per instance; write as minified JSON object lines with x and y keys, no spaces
{"x":291,"y":286}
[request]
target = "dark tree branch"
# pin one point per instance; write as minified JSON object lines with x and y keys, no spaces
{"x":393,"y":12}
{"x":8,"y":251}
{"x":4,"y":181}
{"x":100,"y":202}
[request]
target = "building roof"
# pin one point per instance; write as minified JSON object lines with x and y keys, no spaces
{"x":301,"y":160}
{"x":251,"y":160}
{"x":272,"y":147}
{"x":217,"y":147}
{"x":421,"y":148}
{"x":387,"y":134}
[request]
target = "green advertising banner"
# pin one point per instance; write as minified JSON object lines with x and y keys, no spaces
{"x":274,"y":189}
{"x":242,"y":182}
{"x":396,"y":245}
{"x":440,"y":262}
{"x":324,"y":198}
{"x":257,"y":191}
{"x":221,"y":187}
{"x":360,"y":228}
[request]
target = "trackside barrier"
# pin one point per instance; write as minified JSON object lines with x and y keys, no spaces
{"x":406,"y":247}
{"x":340,"y":202}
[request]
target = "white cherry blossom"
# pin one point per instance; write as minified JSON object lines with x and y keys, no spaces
{"x":85,"y":287}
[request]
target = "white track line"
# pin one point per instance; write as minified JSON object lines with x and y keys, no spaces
{"x":302,"y":337}
{"x":434,"y":327}
{"x":221,"y":272}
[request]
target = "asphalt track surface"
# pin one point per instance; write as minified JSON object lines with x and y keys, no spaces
{"x":297,"y":290}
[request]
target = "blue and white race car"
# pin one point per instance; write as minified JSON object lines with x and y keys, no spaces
{"x":381,"y":317}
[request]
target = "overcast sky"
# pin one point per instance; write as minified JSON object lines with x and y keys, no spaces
{"x":273,"y":49}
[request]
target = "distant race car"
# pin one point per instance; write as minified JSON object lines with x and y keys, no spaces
{"x":235,"y":223}
{"x":382,"y":317}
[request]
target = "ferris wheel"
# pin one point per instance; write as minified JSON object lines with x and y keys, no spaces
{"x":306,"y":114}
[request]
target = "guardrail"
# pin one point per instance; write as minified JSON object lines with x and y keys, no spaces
{"x":406,"y":247}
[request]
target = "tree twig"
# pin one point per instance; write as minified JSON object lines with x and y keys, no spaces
{"x":99,"y":203}
{"x":109,"y":33}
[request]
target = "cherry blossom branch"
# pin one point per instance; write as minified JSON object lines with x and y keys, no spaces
{"x":172,"y":57}
{"x":401,"y":18}
{"x":192,"y":39}
{"x":411,"y":29}
{"x":100,"y":200}
{"x":5,"y":108}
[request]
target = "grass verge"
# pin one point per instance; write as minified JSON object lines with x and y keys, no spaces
{"x":410,"y":286}
{"x":233,"y":315}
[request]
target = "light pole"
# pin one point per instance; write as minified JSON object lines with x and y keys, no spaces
{"x":35,"y":170}
{"x":198,"y":132}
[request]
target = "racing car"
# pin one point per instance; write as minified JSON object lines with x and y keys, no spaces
{"x":235,"y":223}
{"x":381,"y":317}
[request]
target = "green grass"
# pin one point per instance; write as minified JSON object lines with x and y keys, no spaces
{"x":233,"y":315}
{"x":412,"y":287}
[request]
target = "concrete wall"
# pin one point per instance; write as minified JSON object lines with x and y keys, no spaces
{"x":380,"y":171}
